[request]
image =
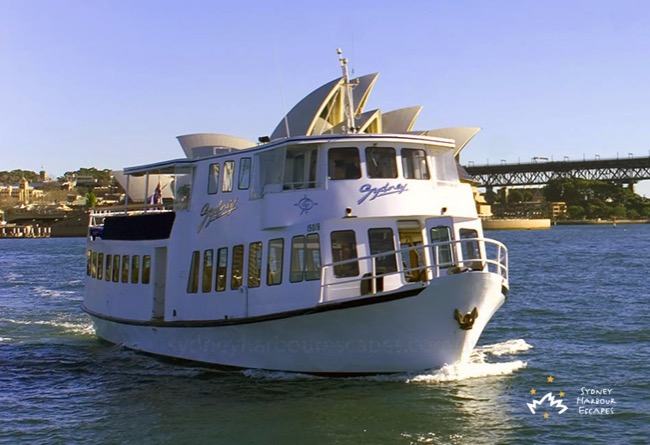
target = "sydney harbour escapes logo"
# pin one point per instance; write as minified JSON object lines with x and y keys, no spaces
{"x":548,"y":402}
{"x":592,"y":401}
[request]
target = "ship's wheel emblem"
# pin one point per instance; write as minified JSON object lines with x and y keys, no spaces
{"x":305,"y":204}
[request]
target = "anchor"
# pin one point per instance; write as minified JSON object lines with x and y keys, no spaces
{"x":466,"y":322}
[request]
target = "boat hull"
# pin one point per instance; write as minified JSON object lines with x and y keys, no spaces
{"x":406,"y":333}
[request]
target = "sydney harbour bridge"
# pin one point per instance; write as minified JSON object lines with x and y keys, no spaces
{"x":540,"y":171}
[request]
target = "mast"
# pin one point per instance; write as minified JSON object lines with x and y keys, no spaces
{"x":348,"y":103}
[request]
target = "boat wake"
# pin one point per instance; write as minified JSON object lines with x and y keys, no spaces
{"x":478,"y":365}
{"x":77,"y":328}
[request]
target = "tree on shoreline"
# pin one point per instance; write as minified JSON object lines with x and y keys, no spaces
{"x":596,"y":199}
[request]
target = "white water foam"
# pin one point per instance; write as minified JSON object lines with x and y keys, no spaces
{"x":75,"y":328}
{"x":476,"y":366}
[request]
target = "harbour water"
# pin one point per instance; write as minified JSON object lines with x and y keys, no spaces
{"x":576,"y":325}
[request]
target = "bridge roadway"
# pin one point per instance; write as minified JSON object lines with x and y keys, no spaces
{"x":620,"y":170}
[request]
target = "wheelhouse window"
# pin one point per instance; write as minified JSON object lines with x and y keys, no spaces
{"x":381,"y":162}
{"x":193,"y":279}
{"x":414,"y":163}
{"x":300,"y":167}
{"x":244,"y":174}
{"x":445,"y":166}
{"x":237,"y":273}
{"x":343,"y":163}
{"x":222,"y":269}
{"x":344,"y":248}
{"x":381,"y":240}
{"x":254,"y":264}
{"x":445,"y":255}
{"x":213,"y":179}
{"x":228,"y":176}
{"x":275,"y":260}
{"x":208,"y":266}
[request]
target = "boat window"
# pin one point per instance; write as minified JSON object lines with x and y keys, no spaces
{"x":100,"y":266}
{"x":182,"y":187}
{"x":206,"y":284}
{"x":193,"y":278}
{"x":93,"y":266}
{"x":297,"y":258}
{"x":237,"y":267}
{"x":228,"y":176}
{"x":146,"y":269}
{"x":470,"y":248}
{"x":343,"y":163}
{"x":414,"y":163}
{"x":445,"y":166}
{"x":244,"y":174}
{"x":305,"y":258}
{"x":213,"y":179}
{"x":109,"y":263}
{"x":445,"y":256}
{"x":135,"y":268}
{"x":381,"y":240}
{"x":274,"y":262}
{"x":344,"y":247}
{"x":116,"y":268}
{"x":312,"y":257}
{"x":381,"y":162}
{"x":89,"y":260}
{"x":222,"y":269}
{"x":254,"y":264}
{"x":270,"y":164}
{"x":300,"y":167}
{"x":125,"y":268}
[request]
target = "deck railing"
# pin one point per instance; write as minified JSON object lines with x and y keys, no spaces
{"x":438,"y":260}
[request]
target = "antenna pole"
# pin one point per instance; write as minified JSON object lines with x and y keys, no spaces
{"x":347,"y":91}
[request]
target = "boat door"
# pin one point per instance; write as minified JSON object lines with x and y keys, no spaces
{"x":440,"y":230}
{"x":159,"y":282}
{"x":413,"y":259}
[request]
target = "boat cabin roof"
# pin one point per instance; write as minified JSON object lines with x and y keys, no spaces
{"x":172,"y":166}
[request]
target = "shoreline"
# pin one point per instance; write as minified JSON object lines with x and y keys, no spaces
{"x":576,"y":222}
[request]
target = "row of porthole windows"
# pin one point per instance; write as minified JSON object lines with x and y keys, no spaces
{"x":209,"y":269}
{"x":118,"y":268}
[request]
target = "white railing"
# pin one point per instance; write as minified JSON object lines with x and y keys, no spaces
{"x":438,"y":260}
{"x":98,"y":214}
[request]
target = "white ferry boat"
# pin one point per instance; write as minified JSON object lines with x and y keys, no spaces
{"x":344,"y":243}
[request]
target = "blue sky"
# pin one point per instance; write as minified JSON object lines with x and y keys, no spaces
{"x":112,"y":83}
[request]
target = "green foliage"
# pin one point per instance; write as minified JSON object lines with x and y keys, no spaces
{"x":596,"y":199}
{"x":91,"y":200}
{"x":103,"y":176}
{"x":515,"y":195}
{"x":12,"y":177}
